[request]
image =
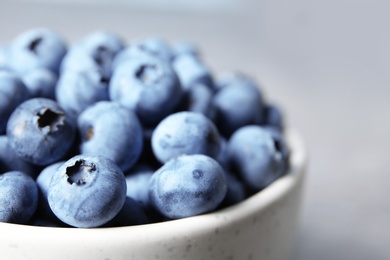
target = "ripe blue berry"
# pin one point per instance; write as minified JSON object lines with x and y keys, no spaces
{"x":148,"y":86}
{"x":185,"y":133}
{"x":37,"y":48}
{"x":112,"y":130}
{"x":40,"y":132}
{"x":18,"y":197}
{"x":258,"y":155}
{"x":12,"y":93}
{"x":87,"y":191}
{"x":188,"y":185}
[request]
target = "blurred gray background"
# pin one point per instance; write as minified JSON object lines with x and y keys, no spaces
{"x":326,"y":63}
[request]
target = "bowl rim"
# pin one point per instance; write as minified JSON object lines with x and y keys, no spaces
{"x":204,"y":222}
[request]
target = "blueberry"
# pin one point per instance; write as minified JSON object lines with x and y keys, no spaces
{"x":18,"y":197}
{"x":223,"y":155}
{"x":77,"y":59}
{"x":11,"y":162}
{"x":184,"y":47}
{"x":40,"y":132}
{"x":37,"y":48}
{"x":110,"y":129}
{"x":87,"y":191}
{"x":185,"y":133}
{"x":43,"y":183}
{"x":40,"y":82}
{"x":132,"y":213}
{"x":191,"y":70}
{"x":138,"y":185}
{"x":188,"y":185}
{"x":12,"y":93}
{"x":147,"y":155}
{"x":237,"y":103}
{"x":96,"y":51}
{"x":149,"y":86}
{"x":273,"y":116}
{"x":152,"y":47}
{"x":199,"y":99}
{"x":236,"y":190}
{"x":76,"y":90}
{"x":155,"y":46}
{"x":258,"y":155}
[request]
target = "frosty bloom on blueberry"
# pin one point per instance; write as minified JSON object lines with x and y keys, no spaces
{"x":87,"y":191}
{"x":147,"y":85}
{"x":185,"y":133}
{"x":18,"y":197}
{"x":39,"y":131}
{"x":76,"y":119}
{"x":187,"y":186}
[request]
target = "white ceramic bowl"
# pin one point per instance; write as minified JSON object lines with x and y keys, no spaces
{"x":261,"y":227}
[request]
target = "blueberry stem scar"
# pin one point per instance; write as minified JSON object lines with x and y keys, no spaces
{"x":148,"y":74}
{"x":80,"y":172}
{"x":50,"y":120}
{"x":34,"y":44}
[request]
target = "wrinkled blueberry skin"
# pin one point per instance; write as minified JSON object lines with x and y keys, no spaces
{"x":188,"y":185}
{"x":77,"y":90}
{"x":110,"y":129}
{"x":87,"y":191}
{"x":257,"y":155}
{"x":18,"y":197}
{"x":40,"y":82}
{"x":185,"y":133}
{"x":191,"y":70}
{"x":12,"y":93}
{"x":148,"y":86}
{"x":11,"y":162}
{"x":237,"y":103}
{"x":40,"y":132}
{"x":37,"y":48}
{"x":95,"y":51}
{"x":138,"y":185}
{"x":43,"y":183}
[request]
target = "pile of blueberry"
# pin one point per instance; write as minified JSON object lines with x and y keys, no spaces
{"x":102,"y":133}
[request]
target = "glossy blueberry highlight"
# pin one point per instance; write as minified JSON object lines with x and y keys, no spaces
{"x":87,"y":191}
{"x":40,"y":132}
{"x":18,"y":197}
{"x":185,"y":133}
{"x":187,"y":186}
